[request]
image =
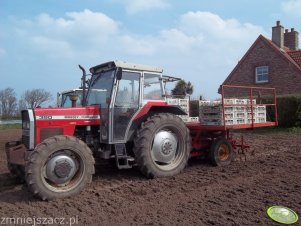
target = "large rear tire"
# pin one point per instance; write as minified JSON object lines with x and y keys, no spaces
{"x":59,"y":167}
{"x":162,"y":146}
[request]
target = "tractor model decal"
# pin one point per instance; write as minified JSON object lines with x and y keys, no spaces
{"x":63,"y":117}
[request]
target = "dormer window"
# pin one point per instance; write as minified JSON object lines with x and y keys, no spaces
{"x":262,"y":74}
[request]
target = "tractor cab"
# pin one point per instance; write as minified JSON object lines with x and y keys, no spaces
{"x":121,"y":90}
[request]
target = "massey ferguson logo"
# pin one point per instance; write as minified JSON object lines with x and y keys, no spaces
{"x":44,"y":117}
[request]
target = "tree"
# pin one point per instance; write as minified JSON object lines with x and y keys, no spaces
{"x":22,"y":105}
{"x":182,"y":88}
{"x":8,"y":103}
{"x":189,"y":88}
{"x":34,"y":98}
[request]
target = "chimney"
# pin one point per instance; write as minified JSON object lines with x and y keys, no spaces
{"x":291,"y":39}
{"x":278,"y":35}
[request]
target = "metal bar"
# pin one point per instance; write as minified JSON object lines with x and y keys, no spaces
{"x":275,"y":108}
{"x":223,"y":108}
{"x":228,"y":134}
{"x":248,"y":87}
{"x":252,"y":117}
{"x":242,"y":105}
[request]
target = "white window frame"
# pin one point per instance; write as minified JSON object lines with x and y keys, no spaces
{"x":261,"y":71}
{"x":163,"y":98}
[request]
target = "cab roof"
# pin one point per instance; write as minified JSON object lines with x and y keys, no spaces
{"x":72,"y":90}
{"x":125,"y":65}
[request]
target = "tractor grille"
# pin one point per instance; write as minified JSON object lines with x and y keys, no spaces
{"x":50,"y":132}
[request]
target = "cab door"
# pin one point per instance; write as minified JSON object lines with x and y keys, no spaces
{"x":127,"y":100}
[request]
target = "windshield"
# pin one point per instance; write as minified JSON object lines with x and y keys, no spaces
{"x":101,"y":87}
{"x":66,"y":102}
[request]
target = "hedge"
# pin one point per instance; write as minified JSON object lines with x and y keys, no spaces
{"x":289,"y":111}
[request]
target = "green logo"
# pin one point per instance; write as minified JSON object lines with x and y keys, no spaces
{"x":282,"y":215}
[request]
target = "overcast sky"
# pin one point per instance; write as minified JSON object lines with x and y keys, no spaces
{"x":42,"y":42}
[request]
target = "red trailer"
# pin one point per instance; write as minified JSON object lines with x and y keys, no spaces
{"x":216,"y":140}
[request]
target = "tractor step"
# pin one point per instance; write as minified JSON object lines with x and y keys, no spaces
{"x":123,"y":161}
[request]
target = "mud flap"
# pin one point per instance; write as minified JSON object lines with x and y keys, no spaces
{"x":15,"y":152}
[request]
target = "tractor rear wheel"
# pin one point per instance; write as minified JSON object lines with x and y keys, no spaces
{"x":59,"y":167}
{"x":162,"y":146}
{"x":221,"y":152}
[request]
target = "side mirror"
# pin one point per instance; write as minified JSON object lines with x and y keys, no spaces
{"x":119,"y":73}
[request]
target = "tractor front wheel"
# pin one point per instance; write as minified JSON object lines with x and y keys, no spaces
{"x":221,"y":152}
{"x":59,"y":167}
{"x":162,"y":146}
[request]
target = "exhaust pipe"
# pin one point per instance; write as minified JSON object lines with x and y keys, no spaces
{"x":83,"y":85}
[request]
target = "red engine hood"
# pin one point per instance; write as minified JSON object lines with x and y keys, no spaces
{"x":67,"y":116}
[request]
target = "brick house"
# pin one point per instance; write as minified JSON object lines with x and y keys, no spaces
{"x":271,"y":63}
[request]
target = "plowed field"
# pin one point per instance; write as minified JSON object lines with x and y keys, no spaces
{"x":238,"y":194}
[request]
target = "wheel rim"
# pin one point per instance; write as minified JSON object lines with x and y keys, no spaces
{"x":223,"y":152}
{"x":63,"y":171}
{"x":166,"y":149}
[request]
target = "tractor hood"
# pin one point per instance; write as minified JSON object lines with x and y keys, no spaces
{"x":60,"y":121}
{"x":67,"y":116}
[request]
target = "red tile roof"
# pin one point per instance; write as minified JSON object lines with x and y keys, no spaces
{"x":296,"y":56}
{"x":293,"y":56}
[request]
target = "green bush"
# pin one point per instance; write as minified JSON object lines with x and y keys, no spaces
{"x":289,"y":110}
{"x":11,"y":126}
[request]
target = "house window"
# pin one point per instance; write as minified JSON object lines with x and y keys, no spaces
{"x":262,"y":74}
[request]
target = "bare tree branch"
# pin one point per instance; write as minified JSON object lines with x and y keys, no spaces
{"x":35,"y":97}
{"x":8,"y":103}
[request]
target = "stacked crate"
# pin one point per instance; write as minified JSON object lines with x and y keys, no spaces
{"x":184,"y":104}
{"x":239,"y":112}
{"x":259,"y":114}
{"x":211,"y":112}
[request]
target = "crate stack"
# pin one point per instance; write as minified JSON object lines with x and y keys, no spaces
{"x":184,"y":104}
{"x":211,"y":112}
{"x":259,"y":114}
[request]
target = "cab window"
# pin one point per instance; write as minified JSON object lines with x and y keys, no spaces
{"x":152,"y":87}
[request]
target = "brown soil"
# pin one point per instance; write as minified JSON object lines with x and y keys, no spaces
{"x":202,"y":195}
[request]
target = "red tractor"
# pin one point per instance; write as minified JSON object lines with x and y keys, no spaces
{"x":125,"y":117}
